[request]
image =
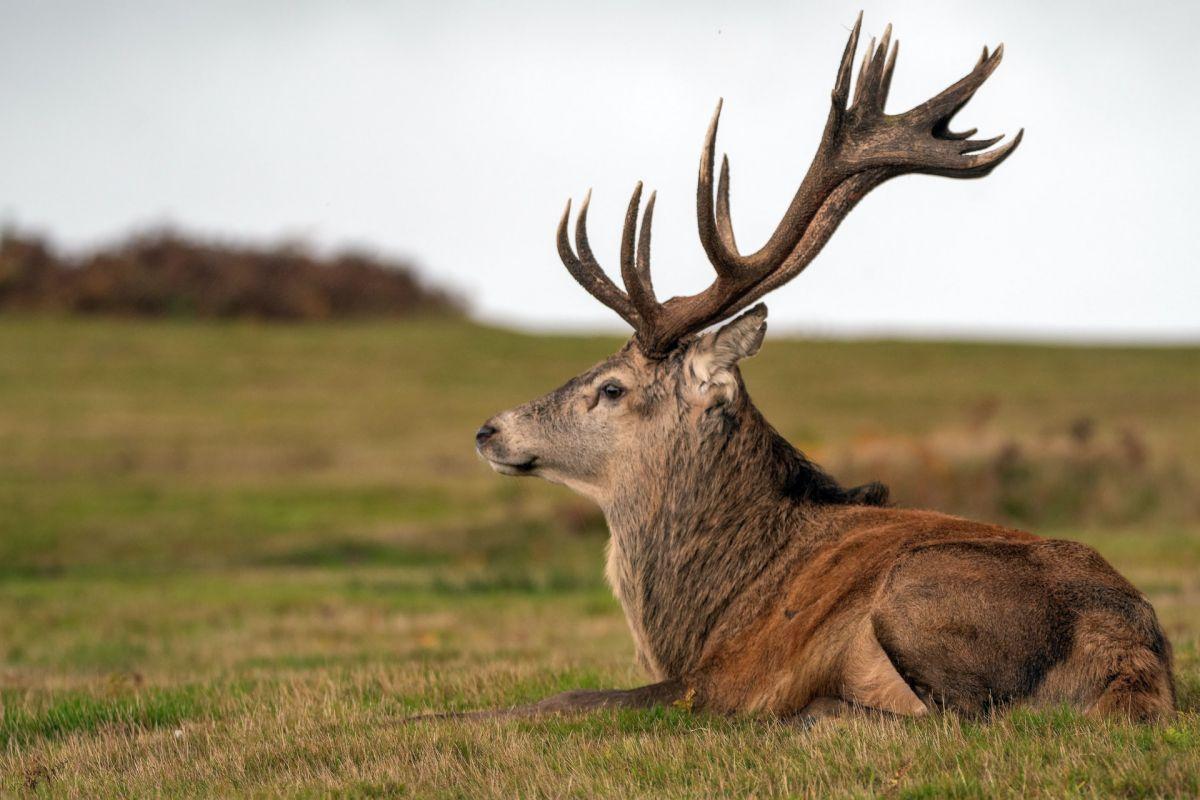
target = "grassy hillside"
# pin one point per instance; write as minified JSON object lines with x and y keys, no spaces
{"x":233,"y":556}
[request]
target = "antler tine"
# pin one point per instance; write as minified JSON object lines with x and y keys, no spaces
{"x":724,"y":223}
{"x":943,"y":132}
{"x":581,"y":237}
{"x":979,"y":164}
{"x":586,"y":271}
{"x":940,"y":108}
{"x":888,"y":69}
{"x":645,"y":280}
{"x":876,"y":77}
{"x":637,"y":285}
{"x":941,"y":128}
{"x":841,"y":86}
{"x":972,"y":145}
{"x":863,"y":72}
{"x":722,"y":257}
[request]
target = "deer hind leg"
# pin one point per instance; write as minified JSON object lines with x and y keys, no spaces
{"x":869,"y":684}
{"x":870,"y":679}
{"x":655,"y":694}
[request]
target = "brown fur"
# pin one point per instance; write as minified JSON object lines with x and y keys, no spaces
{"x":752,"y":581}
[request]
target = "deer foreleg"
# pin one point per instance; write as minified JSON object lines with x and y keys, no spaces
{"x":655,"y":694}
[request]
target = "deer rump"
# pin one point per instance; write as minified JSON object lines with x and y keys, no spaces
{"x":750,"y":579}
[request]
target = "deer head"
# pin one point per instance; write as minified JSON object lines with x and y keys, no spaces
{"x":670,"y":390}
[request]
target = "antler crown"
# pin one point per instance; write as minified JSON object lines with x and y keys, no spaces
{"x":862,"y":146}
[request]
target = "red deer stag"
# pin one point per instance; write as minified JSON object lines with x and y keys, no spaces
{"x":751,"y":580}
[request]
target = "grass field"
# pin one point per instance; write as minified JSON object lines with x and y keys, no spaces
{"x":233,"y":557}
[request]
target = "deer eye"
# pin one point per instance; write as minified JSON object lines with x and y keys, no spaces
{"x":612,"y":390}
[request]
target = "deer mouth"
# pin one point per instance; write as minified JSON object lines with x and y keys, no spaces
{"x":514,"y":467}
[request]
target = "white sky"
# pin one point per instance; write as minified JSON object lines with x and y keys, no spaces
{"x":453,"y":132}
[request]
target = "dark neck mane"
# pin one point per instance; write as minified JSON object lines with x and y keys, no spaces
{"x":803,"y":481}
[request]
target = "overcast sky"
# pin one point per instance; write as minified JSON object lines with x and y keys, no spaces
{"x":453,"y":132}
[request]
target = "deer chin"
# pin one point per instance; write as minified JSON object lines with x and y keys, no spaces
{"x":518,"y":468}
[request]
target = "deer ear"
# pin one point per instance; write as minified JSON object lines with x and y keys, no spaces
{"x":741,"y":338}
{"x":715,"y":354}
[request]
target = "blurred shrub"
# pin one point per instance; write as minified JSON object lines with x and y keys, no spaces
{"x":166,"y":274}
{"x":1076,"y":475}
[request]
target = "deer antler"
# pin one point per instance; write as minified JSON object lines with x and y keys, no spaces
{"x":862,"y":147}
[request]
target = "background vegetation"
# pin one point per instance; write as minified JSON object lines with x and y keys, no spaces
{"x":163,"y":273}
{"x":234,"y":556}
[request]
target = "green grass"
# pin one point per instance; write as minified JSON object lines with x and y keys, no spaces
{"x":233,"y":557}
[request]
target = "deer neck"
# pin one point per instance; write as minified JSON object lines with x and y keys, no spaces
{"x":700,"y":519}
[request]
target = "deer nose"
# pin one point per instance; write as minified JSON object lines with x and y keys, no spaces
{"x":483,"y":434}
